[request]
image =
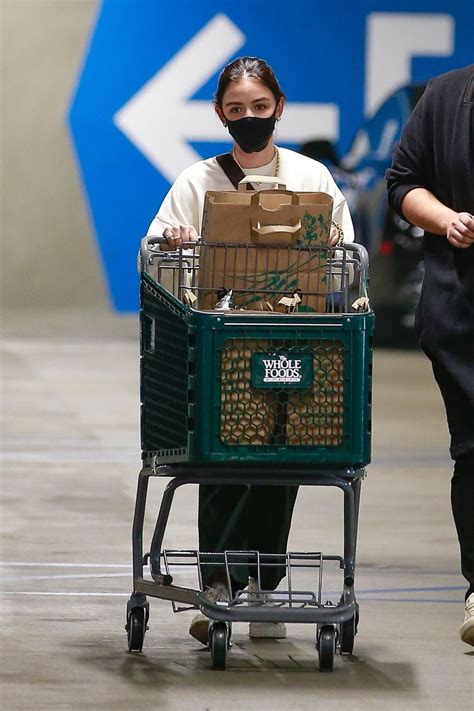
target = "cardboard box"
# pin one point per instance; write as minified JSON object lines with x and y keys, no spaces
{"x":265,"y":245}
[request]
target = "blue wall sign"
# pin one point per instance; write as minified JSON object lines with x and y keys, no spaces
{"x":143,"y":108}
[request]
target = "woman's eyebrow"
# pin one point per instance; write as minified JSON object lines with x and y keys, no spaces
{"x":239,"y":103}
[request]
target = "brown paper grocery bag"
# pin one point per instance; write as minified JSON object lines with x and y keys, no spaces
{"x":265,"y":245}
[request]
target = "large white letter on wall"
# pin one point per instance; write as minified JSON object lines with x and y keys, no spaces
{"x":391,"y":42}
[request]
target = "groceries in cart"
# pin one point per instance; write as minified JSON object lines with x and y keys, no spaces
{"x":226,"y":302}
{"x":264,"y":246}
{"x":265,"y":251}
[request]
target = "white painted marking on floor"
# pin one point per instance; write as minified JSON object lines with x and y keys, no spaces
{"x":66,"y":577}
{"x":19,"y":563}
{"x":111,"y":594}
{"x":61,"y":457}
{"x":81,"y":594}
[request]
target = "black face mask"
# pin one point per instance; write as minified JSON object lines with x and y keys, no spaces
{"x":251,"y":133}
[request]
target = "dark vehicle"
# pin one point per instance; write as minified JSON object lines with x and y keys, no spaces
{"x":395,"y":247}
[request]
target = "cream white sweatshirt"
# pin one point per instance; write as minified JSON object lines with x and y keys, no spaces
{"x":183,"y":205}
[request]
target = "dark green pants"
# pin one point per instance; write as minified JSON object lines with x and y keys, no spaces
{"x":245,"y":518}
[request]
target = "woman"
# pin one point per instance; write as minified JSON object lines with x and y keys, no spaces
{"x":249,"y":101}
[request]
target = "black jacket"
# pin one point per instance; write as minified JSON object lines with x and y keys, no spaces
{"x":436,"y":152}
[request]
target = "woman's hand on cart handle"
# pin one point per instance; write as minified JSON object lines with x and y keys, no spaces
{"x":336,"y":235}
{"x":178,"y":236}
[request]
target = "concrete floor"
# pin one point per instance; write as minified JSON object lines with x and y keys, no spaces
{"x":69,"y":471}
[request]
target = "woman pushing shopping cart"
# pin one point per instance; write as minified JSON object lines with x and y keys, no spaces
{"x":269,"y":385}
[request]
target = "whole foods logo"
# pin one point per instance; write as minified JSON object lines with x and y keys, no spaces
{"x":282,"y":370}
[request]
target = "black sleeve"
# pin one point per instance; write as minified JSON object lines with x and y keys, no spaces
{"x":410,"y":165}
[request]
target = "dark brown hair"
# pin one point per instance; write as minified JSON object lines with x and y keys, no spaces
{"x":247,"y":67}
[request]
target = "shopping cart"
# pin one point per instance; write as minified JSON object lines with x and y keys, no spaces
{"x":243,"y":383}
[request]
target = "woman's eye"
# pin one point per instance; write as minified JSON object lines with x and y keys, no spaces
{"x":235,"y":110}
{"x":261,"y":107}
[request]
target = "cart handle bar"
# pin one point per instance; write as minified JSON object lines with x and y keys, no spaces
{"x":148,"y":241}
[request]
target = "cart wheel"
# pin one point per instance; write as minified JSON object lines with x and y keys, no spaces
{"x":136,"y":626}
{"x":218,"y":642}
{"x":326,"y":647}
{"x":347,"y":636}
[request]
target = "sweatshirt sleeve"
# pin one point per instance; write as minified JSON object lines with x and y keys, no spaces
{"x":410,"y":165}
{"x":342,"y":216}
{"x":340,"y":213}
{"x":180,"y":206}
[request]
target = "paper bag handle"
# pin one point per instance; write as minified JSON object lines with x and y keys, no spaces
{"x":279,"y":230}
{"x":267,"y":179}
{"x":263,"y":230}
{"x":256,"y":199}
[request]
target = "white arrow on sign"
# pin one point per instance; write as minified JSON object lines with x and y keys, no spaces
{"x":160,"y":119}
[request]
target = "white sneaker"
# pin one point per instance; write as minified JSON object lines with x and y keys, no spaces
{"x":467,"y":627}
{"x":199,"y":627}
{"x":263,"y":630}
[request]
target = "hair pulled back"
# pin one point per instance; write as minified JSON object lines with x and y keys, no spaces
{"x":247,"y":68}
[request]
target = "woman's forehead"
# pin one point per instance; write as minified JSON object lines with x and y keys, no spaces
{"x":248,"y":89}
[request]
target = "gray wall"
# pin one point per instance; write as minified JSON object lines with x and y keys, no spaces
{"x":48,"y":254}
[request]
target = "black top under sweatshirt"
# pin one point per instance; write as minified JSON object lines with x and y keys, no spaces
{"x":436,"y":152}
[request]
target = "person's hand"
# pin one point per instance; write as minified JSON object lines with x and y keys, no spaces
{"x":336,"y":235}
{"x":461,"y":230}
{"x":176,"y":236}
